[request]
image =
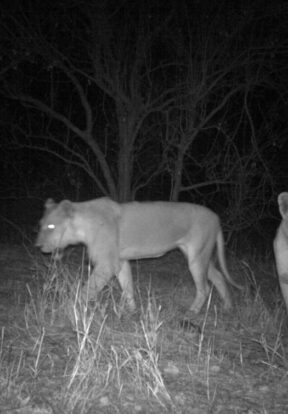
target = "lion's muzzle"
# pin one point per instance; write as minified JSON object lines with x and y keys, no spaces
{"x":43,"y":245}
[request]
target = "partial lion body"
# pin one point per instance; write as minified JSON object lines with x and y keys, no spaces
{"x":116,"y":233}
{"x":152,"y":229}
{"x":281,"y":247}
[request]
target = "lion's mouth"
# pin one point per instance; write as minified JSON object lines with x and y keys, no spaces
{"x":46,"y":249}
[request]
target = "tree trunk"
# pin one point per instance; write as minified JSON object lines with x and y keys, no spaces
{"x":125,"y":159}
{"x":177,"y":176}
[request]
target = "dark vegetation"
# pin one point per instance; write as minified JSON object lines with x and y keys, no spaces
{"x":154,"y":100}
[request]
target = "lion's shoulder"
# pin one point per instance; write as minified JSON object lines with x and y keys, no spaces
{"x":102,"y":208}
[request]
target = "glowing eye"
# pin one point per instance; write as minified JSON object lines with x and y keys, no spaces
{"x":51,"y":226}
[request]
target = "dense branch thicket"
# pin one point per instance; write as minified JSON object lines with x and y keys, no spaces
{"x":147,"y":101}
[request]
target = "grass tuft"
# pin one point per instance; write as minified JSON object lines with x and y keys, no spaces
{"x":61,"y":354}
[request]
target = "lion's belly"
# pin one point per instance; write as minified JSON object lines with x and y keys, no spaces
{"x":136,"y":251}
{"x":151,"y":229}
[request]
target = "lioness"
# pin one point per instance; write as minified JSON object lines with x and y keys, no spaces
{"x":116,"y":233}
{"x":281,"y":246}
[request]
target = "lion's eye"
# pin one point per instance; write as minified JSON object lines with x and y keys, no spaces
{"x":51,"y":226}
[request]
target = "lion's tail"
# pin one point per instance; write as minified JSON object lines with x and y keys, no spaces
{"x":222,"y":259}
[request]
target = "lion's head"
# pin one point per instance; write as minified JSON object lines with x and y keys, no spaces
{"x":56,"y":226}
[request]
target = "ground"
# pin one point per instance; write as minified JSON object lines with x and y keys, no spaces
{"x":59,"y":356}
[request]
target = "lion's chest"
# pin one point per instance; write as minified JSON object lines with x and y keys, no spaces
{"x":281,"y":248}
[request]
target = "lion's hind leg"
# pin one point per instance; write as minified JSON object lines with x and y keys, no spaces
{"x":125,"y":279}
{"x":217,"y":279}
{"x":199,"y":273}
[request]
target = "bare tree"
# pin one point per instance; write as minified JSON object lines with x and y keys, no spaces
{"x":128,"y":97}
{"x":109,"y":63}
{"x":217,"y":138}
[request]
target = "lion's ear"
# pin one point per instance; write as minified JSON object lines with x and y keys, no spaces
{"x":67,"y":207}
{"x":49,"y":203}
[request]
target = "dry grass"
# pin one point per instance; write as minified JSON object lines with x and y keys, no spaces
{"x":59,"y":354}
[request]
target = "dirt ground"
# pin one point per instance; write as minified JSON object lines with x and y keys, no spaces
{"x":237,"y":364}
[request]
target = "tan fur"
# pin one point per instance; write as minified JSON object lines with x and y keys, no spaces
{"x":116,"y":233}
{"x":281,"y":246}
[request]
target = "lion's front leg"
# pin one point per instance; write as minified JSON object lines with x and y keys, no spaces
{"x":99,"y":278}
